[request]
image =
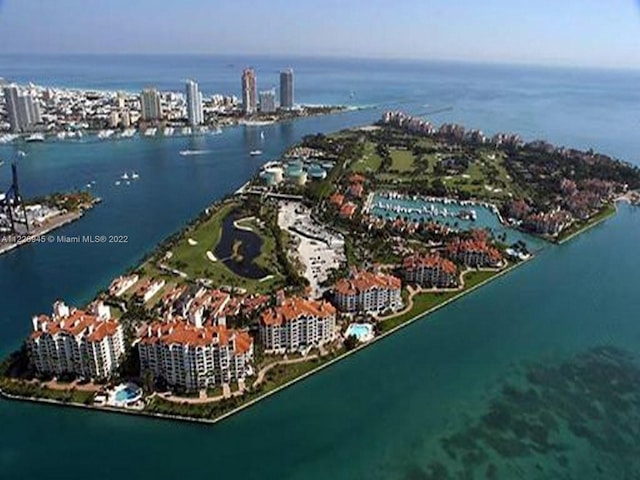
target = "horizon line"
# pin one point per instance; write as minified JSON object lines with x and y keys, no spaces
{"x":325,"y":56}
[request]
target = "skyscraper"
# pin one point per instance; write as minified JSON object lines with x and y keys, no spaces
{"x":150,"y":105}
{"x":268,"y":101}
{"x":249,"y":91}
{"x":23,"y":110}
{"x":11,"y":105}
{"x":286,"y":88}
{"x":194,"y":104}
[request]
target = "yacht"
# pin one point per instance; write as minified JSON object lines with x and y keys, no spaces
{"x":255,"y":153}
{"x":168,"y":131}
{"x":261,"y":135}
{"x":36,"y":137}
{"x":117,"y":182}
{"x":186,"y":131}
{"x":135,"y":176}
{"x":125,"y":176}
{"x":61,"y":135}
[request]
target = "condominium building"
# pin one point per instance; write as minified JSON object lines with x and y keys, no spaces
{"x":148,"y":289}
{"x":268,"y":101}
{"x":368,"y":292}
{"x":286,"y":89}
{"x":296,"y":323}
{"x":474,"y":252}
{"x":75,"y":342}
{"x":194,"y":104}
{"x":121,"y":284}
{"x":249,"y":92}
{"x":150,"y":105}
{"x":430,"y":270}
{"x":23,"y":111}
{"x":195,"y":357}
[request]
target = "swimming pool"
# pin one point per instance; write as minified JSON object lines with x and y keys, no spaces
{"x":126,"y":394}
{"x":362,"y":331}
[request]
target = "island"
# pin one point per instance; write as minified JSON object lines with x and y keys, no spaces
{"x":25,"y":222}
{"x":344,"y":240}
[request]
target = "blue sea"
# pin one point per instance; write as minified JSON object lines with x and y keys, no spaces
{"x":534,"y":376}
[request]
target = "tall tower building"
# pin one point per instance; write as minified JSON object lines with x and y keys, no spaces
{"x":249,"y":91}
{"x":194,"y":104}
{"x":150,"y":105}
{"x":11,"y":105}
{"x":286,"y":89}
{"x":268,"y":101}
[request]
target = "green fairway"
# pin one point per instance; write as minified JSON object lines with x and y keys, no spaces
{"x":370,"y":161}
{"x":402,"y":160}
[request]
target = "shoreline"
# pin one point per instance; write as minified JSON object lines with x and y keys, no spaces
{"x":589,"y":225}
{"x":33,"y":237}
{"x":290,"y":383}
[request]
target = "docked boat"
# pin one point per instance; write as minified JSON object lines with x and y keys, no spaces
{"x":255,"y":153}
{"x":186,"y":153}
{"x":36,"y":137}
{"x":168,"y":131}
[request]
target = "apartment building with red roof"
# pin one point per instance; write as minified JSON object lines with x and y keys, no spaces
{"x":368,"y":292}
{"x":74,"y":342}
{"x":296,"y":323}
{"x":474,"y":252}
{"x":430,"y":270}
{"x":194,"y":357}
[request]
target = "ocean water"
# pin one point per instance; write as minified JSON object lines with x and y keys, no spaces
{"x":534,"y":376}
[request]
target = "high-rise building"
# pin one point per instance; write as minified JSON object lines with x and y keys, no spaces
{"x":286,"y":88}
{"x":150,"y":105}
{"x":249,"y":91}
{"x":11,"y":105}
{"x":268,"y":101}
{"x":194,"y":104}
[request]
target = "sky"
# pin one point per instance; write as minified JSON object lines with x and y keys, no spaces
{"x":602,"y":33}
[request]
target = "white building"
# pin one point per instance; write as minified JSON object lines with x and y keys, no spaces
{"x":195,"y":357}
{"x":194,"y":104}
{"x":74,"y":342}
{"x":430,"y":270}
{"x":121,"y":284}
{"x":368,"y":292}
{"x":23,"y":110}
{"x":150,"y":105}
{"x":297,"y":323}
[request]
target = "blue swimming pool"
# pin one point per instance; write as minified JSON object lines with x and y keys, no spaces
{"x":127,"y":393}
{"x":362,"y":331}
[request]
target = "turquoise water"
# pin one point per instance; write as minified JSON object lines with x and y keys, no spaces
{"x":446,"y":214}
{"x":426,"y":402}
{"x":360,"y":331}
{"x":126,"y":394}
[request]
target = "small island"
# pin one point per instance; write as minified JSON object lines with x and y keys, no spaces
{"x":343,"y":241}
{"x":24,"y":222}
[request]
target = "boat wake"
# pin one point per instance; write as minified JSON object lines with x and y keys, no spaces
{"x":186,"y":153}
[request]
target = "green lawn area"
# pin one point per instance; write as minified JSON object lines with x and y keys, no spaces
{"x":192,"y":258}
{"x":577,"y":227}
{"x":402,"y":160}
{"x":370,"y":161}
{"x":425,"y":301}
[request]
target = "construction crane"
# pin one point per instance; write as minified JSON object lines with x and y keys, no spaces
{"x":12,"y":204}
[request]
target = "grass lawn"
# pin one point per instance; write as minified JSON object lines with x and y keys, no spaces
{"x":402,"y":160}
{"x":370,"y":161}
{"x":425,"y":301}
{"x":192,"y":258}
{"x":577,"y":227}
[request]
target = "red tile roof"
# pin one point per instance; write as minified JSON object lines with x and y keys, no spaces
{"x":362,"y":281}
{"x":295,"y":307}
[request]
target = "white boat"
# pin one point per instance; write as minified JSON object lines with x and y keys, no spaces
{"x":186,"y":131}
{"x":21,"y":153}
{"x":128,"y":133}
{"x":168,"y":131}
{"x":261,"y":135}
{"x":150,"y":132}
{"x":255,"y":153}
{"x":125,"y":176}
{"x":135,"y":176}
{"x":36,"y":137}
{"x":186,"y":153}
{"x":117,"y":182}
{"x":61,"y":135}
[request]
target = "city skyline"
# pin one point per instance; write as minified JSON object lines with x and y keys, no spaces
{"x":574,"y":33}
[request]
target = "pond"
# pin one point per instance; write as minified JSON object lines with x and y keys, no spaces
{"x":238,"y":249}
